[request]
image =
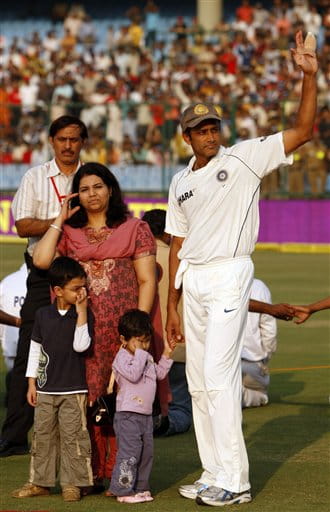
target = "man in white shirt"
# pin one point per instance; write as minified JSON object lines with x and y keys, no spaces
{"x":213,"y":219}
{"x":36,"y":204}
{"x":258,"y":346}
{"x":12,"y":295}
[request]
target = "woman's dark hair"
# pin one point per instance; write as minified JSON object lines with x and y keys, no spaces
{"x":135,"y":323}
{"x":63,"y":270}
{"x":117,"y":211}
{"x":63,"y":122}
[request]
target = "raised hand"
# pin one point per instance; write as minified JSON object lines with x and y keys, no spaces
{"x":67,"y":212}
{"x":303,"y":56}
{"x":82,"y":300}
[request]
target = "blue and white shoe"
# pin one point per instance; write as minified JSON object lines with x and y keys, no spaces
{"x":191,"y":491}
{"x":217,"y":497}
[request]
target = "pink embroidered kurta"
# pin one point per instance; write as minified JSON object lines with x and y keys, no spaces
{"x":107,"y":256}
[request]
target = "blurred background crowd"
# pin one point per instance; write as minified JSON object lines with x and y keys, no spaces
{"x":129,"y":77}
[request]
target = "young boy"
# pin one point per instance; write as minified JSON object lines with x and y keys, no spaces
{"x":136,"y":374}
{"x":57,"y":387}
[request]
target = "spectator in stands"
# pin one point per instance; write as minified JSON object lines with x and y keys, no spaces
{"x":315,"y":163}
{"x":51,"y":43}
{"x":113,"y":153}
{"x":86,"y":32}
{"x":261,"y":50}
{"x":73,"y":21}
{"x":296,"y":174}
{"x":39,"y":154}
{"x":68,"y":42}
{"x":324,"y":128}
{"x":245,"y":12}
{"x":28,"y":92}
{"x":136,"y":34}
{"x":151,"y":13}
{"x":180,"y":29}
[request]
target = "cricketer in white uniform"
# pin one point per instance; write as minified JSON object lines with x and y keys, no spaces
{"x":213,"y":219}
{"x":259,"y":344}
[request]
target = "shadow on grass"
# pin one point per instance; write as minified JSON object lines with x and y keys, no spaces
{"x":175,"y":458}
{"x":287,"y":428}
{"x":282,"y":385}
{"x":280,"y":439}
{"x":296,"y":426}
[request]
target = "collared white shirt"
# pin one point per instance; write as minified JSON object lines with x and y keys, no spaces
{"x":260,"y":334}
{"x":12,"y":295}
{"x":36,"y":196}
{"x":215,"y":208}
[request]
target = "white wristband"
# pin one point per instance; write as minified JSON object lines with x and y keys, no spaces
{"x":55,"y":227}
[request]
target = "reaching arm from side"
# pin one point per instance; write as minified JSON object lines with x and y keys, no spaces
{"x":7,"y":319}
{"x":304,"y":312}
{"x":281,"y":311}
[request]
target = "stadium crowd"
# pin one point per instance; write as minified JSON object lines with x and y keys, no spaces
{"x":130,"y":87}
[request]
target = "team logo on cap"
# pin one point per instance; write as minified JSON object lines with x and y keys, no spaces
{"x":222,"y":175}
{"x":218,"y":109}
{"x":200,"y":110}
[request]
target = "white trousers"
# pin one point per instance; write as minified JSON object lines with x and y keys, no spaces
{"x":216,"y":300}
{"x":255,"y":375}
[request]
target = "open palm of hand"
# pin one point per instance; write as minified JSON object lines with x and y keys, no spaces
{"x":66,"y":211}
{"x":306,"y":61}
{"x":304,"y":58}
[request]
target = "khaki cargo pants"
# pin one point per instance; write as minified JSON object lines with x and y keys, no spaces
{"x":61,"y":441}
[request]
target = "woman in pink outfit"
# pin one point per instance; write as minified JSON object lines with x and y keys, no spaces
{"x":118,"y":254}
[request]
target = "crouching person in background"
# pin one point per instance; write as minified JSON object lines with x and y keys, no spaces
{"x":258,"y":347}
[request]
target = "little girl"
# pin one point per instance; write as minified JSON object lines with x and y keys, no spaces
{"x":136,"y":374}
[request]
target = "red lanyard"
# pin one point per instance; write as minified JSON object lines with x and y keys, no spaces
{"x":59,"y":197}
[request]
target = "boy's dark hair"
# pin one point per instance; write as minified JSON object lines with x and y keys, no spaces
{"x":63,"y":270}
{"x":135,"y":323}
{"x":156,"y":220}
{"x":63,"y":122}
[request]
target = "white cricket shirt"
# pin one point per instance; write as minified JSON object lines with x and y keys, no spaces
{"x":260,"y":333}
{"x":12,"y":295}
{"x":216,"y":207}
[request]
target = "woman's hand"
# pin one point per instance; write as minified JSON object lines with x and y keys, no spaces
{"x":66,"y":211}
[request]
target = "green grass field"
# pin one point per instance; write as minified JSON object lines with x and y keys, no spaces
{"x":287,"y":441}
